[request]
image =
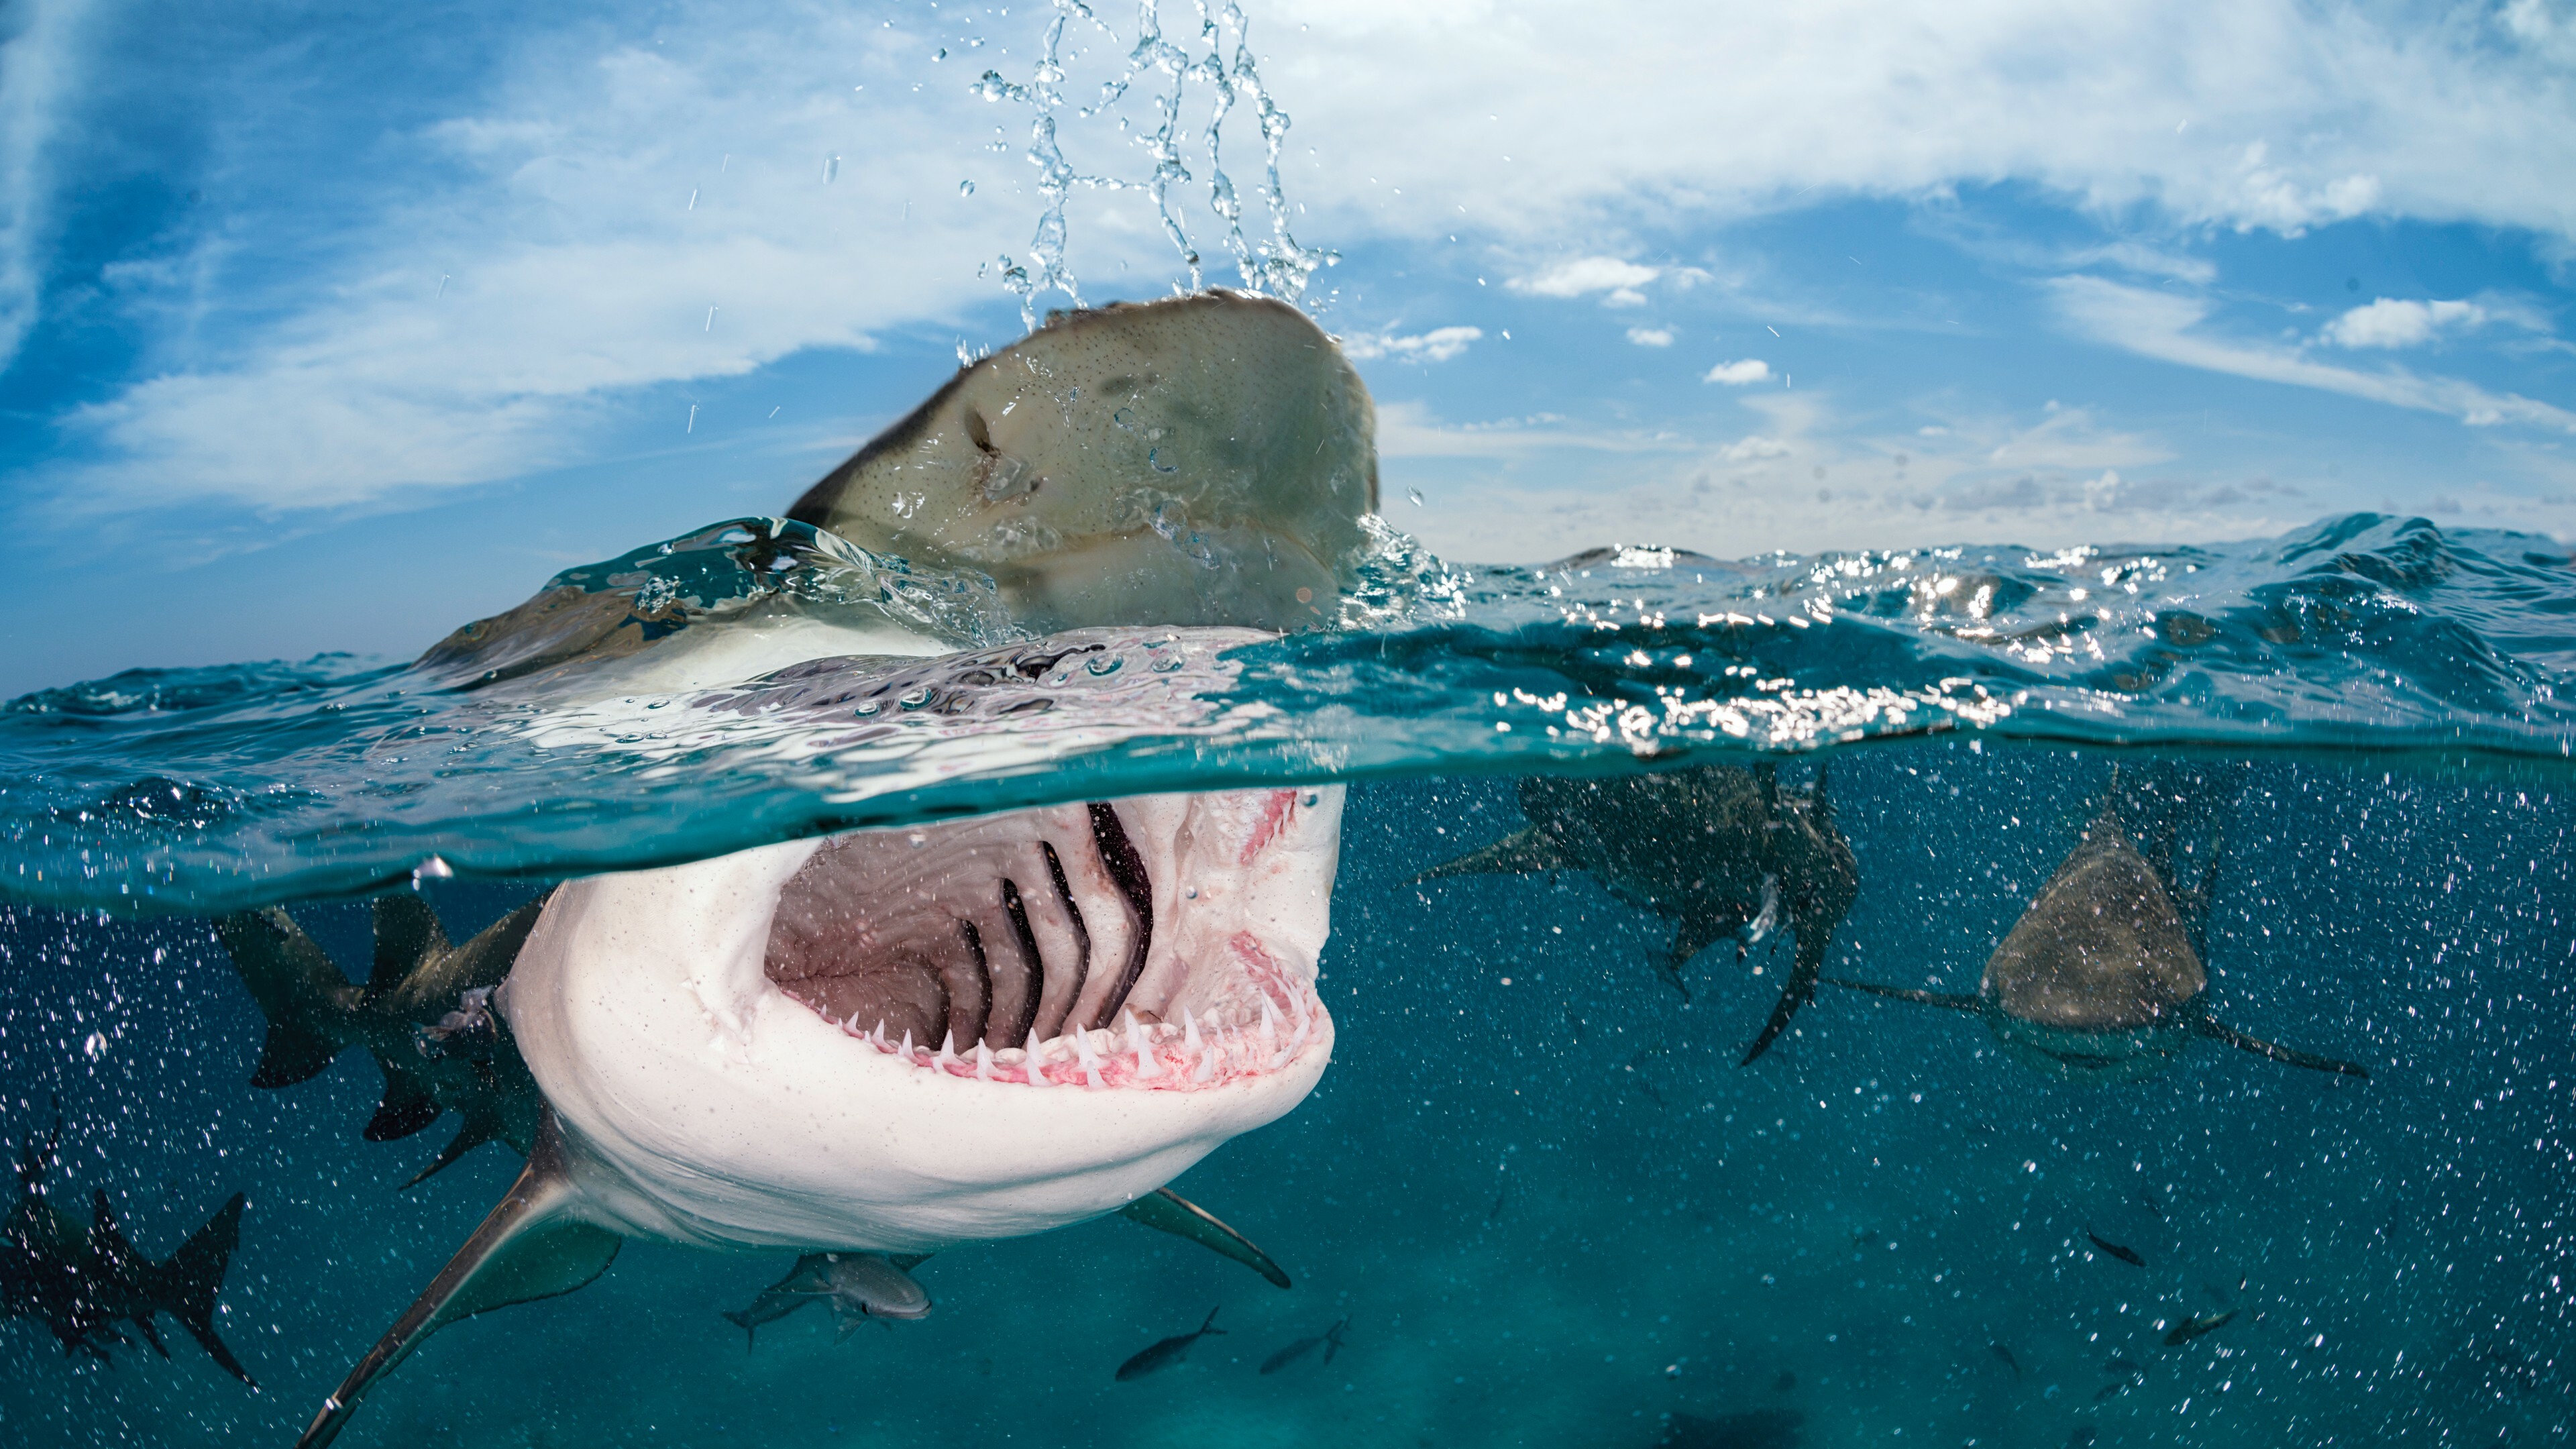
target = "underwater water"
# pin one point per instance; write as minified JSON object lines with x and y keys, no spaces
{"x":1550,"y":1202}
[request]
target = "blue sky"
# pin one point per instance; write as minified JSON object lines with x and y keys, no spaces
{"x":333,"y":327}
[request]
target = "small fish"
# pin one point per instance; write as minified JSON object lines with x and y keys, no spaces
{"x":854,"y":1286}
{"x":2147,"y":1195}
{"x":1167,"y":1352}
{"x":2009,"y":1361}
{"x":2080,"y":1437}
{"x":2196,"y":1325}
{"x":2124,"y":1369}
{"x":1330,"y":1340}
{"x":2125,"y":1255}
{"x":2116,"y":1387}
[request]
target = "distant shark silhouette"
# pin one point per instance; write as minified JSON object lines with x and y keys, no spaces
{"x":2102,"y":978}
{"x":87,"y":1284}
{"x":1718,"y":850}
{"x":890,"y":1042}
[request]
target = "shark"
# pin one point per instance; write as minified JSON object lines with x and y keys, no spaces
{"x":884,"y":1043}
{"x":855,"y":1286}
{"x":1718,"y":850}
{"x":2102,"y":979}
{"x":87,"y":1283}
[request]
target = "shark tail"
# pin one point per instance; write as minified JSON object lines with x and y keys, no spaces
{"x":186,"y":1286}
{"x":303,"y":996}
{"x":314,"y":1012}
{"x":750,"y":1330}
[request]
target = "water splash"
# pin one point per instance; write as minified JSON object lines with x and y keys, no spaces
{"x":1227,"y":74}
{"x":531,"y":743}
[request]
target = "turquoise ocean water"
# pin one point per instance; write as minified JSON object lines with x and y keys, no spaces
{"x":1551,"y":1204}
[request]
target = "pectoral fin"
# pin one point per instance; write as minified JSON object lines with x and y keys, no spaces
{"x":1525,"y":853}
{"x":1946,"y":1000}
{"x":1168,"y":1211}
{"x":2279,"y":1053}
{"x":1805,"y":968}
{"x":530,"y":1247}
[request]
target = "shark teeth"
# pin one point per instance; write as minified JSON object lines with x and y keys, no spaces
{"x":1139,"y":1056}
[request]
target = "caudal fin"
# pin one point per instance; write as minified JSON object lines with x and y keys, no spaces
{"x":187,"y":1285}
{"x":302,"y":994}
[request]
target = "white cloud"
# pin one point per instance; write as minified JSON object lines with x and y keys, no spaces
{"x":1651,"y":336}
{"x":2268,"y":114}
{"x":1437,"y":345}
{"x":2387,"y":322}
{"x":1584,"y":275}
{"x":2168,"y":327}
{"x":558,"y":198}
{"x":1740,"y":374}
{"x":1749,"y":449}
{"x":38,"y":71}
{"x":1406,"y":429}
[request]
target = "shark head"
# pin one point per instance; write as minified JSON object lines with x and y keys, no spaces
{"x":893,"y":1041}
{"x":2098,"y":981}
{"x":1197,"y":460}
{"x":900,"y":1040}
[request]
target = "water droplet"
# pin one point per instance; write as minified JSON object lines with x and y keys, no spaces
{"x":1415,"y":494}
{"x":965,"y":188}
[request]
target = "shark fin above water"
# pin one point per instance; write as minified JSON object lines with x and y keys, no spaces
{"x":527,"y":1248}
{"x":1167,"y":1211}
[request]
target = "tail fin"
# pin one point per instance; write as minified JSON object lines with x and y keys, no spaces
{"x":750,"y":1330}
{"x":186,"y":1286}
{"x":1210,"y":1325}
{"x":303,"y":996}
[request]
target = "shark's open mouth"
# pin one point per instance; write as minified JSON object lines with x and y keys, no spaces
{"x":1100,"y":945}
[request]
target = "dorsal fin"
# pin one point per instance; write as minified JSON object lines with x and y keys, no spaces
{"x":407,"y":934}
{"x":186,"y":1286}
{"x":531,"y":1246}
{"x":1167,"y":1211}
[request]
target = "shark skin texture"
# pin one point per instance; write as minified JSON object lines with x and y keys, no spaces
{"x":883,"y":1044}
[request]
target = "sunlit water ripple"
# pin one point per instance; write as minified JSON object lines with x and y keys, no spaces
{"x":215,"y":788}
